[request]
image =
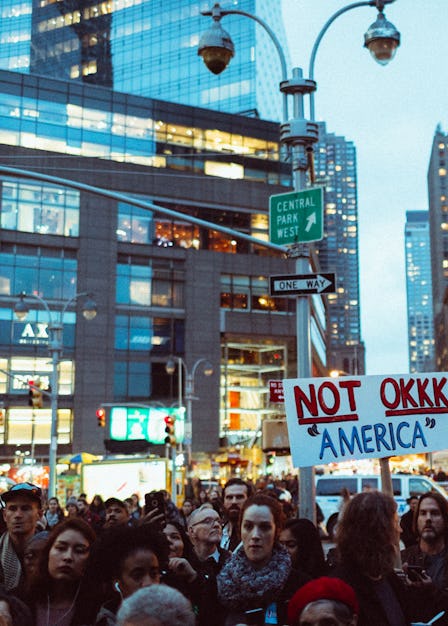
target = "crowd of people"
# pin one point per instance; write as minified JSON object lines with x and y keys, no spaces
{"x":233,"y":557}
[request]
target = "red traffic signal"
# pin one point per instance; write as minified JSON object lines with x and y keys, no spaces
{"x":101,"y":417}
{"x":170,"y":439}
{"x":35,"y":397}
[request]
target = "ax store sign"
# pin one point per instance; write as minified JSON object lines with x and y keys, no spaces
{"x":360,"y":417}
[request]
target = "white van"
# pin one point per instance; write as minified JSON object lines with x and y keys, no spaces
{"x":330,"y":486}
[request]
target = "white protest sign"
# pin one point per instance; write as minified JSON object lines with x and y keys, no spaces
{"x":360,"y":417}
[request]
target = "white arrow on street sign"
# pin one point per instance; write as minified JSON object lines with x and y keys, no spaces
{"x":302,"y":284}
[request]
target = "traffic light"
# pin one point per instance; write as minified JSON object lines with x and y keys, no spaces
{"x":35,"y":397}
{"x":101,"y":417}
{"x":270,"y":459}
{"x":170,"y":439}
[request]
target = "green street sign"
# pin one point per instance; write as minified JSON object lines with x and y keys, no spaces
{"x":296,"y":217}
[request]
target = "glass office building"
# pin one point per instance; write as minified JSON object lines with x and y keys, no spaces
{"x":419,"y":292}
{"x":164,"y":284}
{"x":148,"y":48}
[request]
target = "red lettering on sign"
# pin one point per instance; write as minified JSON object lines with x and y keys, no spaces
{"x":329,"y":410}
{"x":396,"y":390}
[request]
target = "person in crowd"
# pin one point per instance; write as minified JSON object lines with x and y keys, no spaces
{"x":202,"y":496}
{"x":97,"y":507}
{"x":367,"y":540}
{"x":178,"y":540}
{"x":84,"y":512}
{"x":207,"y":560}
{"x":205,"y":530}
{"x":54,"y":514}
{"x":127,"y":559}
{"x":13,"y":612}
{"x":159,"y":605}
{"x":185,"y":511}
{"x":22,"y":510}
{"x":117,"y":513}
{"x":325,"y":600}
{"x":215,"y":499}
{"x":302,"y":540}
{"x":235,"y":493}
{"x":409,"y":536}
{"x":59,"y":595}
{"x":431,"y":526}
{"x":72,"y":506}
{"x":426,"y":563}
{"x":135,"y":510}
{"x":31,"y":555}
{"x":258,"y":580}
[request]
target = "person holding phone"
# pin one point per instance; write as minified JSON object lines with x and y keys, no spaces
{"x":256,"y":583}
{"x":426,"y":563}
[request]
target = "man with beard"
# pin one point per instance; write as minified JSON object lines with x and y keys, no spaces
{"x":236,"y":492}
{"x":426,"y":563}
{"x":431,"y":551}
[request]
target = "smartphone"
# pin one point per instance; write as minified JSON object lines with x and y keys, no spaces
{"x":155,"y":501}
{"x":414,"y":572}
{"x":254,"y":617}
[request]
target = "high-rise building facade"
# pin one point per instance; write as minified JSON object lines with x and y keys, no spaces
{"x":419,"y":292}
{"x":438,"y":229}
{"x":164,"y":283}
{"x":335,"y":166}
{"x":148,"y":48}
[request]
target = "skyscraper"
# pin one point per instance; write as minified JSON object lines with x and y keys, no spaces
{"x":419,"y":291}
{"x":438,"y":228}
{"x":148,"y":48}
{"x":335,"y":165}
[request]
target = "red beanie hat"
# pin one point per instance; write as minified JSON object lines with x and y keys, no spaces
{"x":324,"y":588}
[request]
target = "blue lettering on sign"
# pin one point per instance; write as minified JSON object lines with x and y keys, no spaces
{"x":372,"y":438}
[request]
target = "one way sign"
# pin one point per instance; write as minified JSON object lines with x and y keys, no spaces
{"x":302,"y":284}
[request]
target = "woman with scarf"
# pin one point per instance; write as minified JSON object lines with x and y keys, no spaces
{"x":257,"y":582}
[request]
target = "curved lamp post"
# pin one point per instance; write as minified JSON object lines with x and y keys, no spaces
{"x":170,"y":368}
{"x":216,"y":49}
{"x":55,"y":346}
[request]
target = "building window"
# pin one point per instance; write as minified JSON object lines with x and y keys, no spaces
{"x":149,"y":284}
{"x":132,"y":379}
{"x":25,"y":426}
{"x":52,"y":277}
{"x":37,"y":208}
{"x":156,"y":335}
{"x":134,"y":224}
{"x":251,"y":293}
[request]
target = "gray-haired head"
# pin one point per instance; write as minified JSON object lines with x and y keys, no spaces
{"x":157,"y":605}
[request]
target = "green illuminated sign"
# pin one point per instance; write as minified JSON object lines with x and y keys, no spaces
{"x":130,"y":423}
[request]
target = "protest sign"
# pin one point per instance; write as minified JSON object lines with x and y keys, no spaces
{"x":358,"y":417}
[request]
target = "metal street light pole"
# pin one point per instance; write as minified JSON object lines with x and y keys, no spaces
{"x":216,"y":48}
{"x":189,"y":393}
{"x":55,"y":346}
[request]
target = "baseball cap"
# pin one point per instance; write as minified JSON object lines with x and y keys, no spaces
{"x":27,"y":490}
{"x":111,"y":501}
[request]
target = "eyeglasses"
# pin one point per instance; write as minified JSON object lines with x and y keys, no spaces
{"x":208,"y":521}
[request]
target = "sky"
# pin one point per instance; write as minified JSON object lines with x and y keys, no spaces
{"x":390,"y":113}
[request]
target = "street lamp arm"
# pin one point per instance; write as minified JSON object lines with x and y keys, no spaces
{"x":355,"y":5}
{"x":73,"y":299}
{"x":34,"y":296}
{"x":217,"y":13}
{"x":196,"y":365}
